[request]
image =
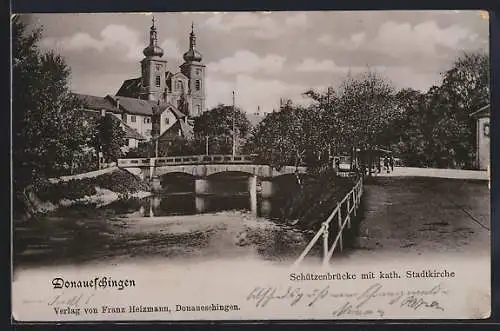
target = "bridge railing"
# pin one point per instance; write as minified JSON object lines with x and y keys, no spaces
{"x":351,"y":202}
{"x":190,"y":159}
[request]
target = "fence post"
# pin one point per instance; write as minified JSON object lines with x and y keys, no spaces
{"x":349,"y":210}
{"x":325,"y":244}
{"x":340,"y":228}
{"x":355,"y":200}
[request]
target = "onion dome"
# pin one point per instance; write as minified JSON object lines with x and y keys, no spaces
{"x":153,"y":50}
{"x":192,"y":55}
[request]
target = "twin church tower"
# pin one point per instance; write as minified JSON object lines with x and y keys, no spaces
{"x":184,"y":89}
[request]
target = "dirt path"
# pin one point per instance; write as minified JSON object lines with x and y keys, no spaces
{"x":423,"y":215}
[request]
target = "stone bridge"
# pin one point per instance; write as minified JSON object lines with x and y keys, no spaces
{"x":204,"y":167}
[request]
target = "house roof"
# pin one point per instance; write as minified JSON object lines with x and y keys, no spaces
{"x":482,"y":112}
{"x":142,"y":107}
{"x":94,"y":102}
{"x":130,"y":133}
{"x":186,"y":131}
{"x":133,"y":105}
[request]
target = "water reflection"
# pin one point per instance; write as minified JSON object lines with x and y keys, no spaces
{"x":190,"y":204}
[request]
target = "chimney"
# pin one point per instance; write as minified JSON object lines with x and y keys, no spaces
{"x":103,"y":112}
{"x":118,"y":103}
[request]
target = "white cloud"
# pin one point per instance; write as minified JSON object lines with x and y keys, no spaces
{"x":312,"y":65}
{"x":298,"y":20}
{"x":251,"y":92}
{"x":262,"y":25}
{"x":105,"y":84}
{"x":424,"y":37}
{"x":244,"y":61}
{"x":403,"y":38}
{"x":325,"y":39}
{"x":171,"y":49}
{"x":113,"y":37}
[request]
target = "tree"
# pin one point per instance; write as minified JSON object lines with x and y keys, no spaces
{"x":465,"y":89}
{"x":47,"y":132}
{"x":217,"y":125}
{"x":359,"y":113}
{"x":109,"y":137}
{"x":287,"y":137}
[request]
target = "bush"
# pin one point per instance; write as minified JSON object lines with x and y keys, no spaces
{"x":119,"y":181}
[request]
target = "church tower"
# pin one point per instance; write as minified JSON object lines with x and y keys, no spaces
{"x":153,"y":68}
{"x":194,"y":70}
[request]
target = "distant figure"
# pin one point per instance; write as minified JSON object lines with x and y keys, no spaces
{"x":379,"y":166}
{"x":386,"y":164}
{"x":391,"y":162}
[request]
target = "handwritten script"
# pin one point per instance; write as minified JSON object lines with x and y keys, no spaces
{"x":372,"y":301}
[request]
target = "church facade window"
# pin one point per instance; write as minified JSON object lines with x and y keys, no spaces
{"x":198,"y":109}
{"x":197,"y":85}
{"x":158,"y":81}
{"x":178,"y":85}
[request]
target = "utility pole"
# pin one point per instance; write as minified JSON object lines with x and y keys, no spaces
{"x":234,"y":128}
{"x":206,"y":145}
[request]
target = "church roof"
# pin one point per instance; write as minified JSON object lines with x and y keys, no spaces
{"x":130,"y":88}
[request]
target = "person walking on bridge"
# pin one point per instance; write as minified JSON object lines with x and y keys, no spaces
{"x":386,"y":164}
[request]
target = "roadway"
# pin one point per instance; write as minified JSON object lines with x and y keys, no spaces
{"x":410,"y":211}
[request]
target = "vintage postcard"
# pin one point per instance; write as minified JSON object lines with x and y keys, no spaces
{"x":251,"y":166}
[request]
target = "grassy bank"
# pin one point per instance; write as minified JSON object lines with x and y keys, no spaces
{"x":308,"y":205}
{"x":100,"y":190}
{"x":121,"y":182}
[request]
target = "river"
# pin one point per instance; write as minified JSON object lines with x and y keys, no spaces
{"x":175,"y":225}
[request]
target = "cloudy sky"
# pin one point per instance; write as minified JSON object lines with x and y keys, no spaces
{"x":265,"y":56}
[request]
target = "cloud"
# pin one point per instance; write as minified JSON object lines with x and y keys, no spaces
{"x":251,"y":92}
{"x":296,"y":20}
{"x":171,"y":49}
{"x":399,"y":39}
{"x":115,"y":38}
{"x":325,"y":39}
{"x":261,"y":25}
{"x":313,"y":65}
{"x":244,"y":61}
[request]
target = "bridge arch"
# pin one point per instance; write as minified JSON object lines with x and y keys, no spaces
{"x":177,"y":182}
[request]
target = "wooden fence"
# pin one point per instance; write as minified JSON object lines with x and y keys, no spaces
{"x":349,"y":204}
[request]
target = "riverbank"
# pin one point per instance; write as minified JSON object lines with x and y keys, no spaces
{"x":86,"y":227}
{"x":97,"y":191}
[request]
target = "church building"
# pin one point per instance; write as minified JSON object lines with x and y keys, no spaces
{"x":184,"y":88}
{"x":178,"y":95}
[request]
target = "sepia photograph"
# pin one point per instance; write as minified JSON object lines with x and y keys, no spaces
{"x":251,"y":165}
